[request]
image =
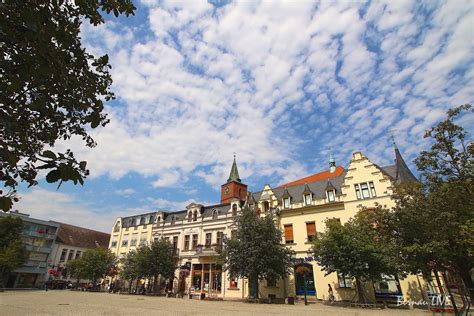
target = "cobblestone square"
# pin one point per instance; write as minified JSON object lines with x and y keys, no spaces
{"x":86,"y":303}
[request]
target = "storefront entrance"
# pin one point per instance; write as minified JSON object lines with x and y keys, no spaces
{"x":299,"y":283}
{"x":207,"y":278}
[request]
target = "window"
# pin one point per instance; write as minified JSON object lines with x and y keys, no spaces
{"x":344,"y":281}
{"x":195,"y":241}
{"x":234,"y":209}
{"x":311,"y":230}
{"x":186,"y":242}
{"x":372,"y":189}
{"x":214,"y":214}
{"x":271,"y":282}
{"x":113,"y":244}
{"x":208,"y":240}
{"x":150,"y":220}
{"x":331,"y":196}
{"x":288,"y":234}
{"x":143,"y":238}
{"x":71,"y":255}
{"x":63,"y":255}
{"x":173,"y":219}
{"x":286,"y":203}
{"x":233,"y":281}
{"x":219,"y":238}
{"x":190,"y":216}
{"x":307,"y":199}
{"x":78,"y":254}
{"x":195,"y":216}
{"x":117,"y":228}
{"x":142,"y":221}
{"x":356,"y":186}
{"x":175,"y":243}
{"x":125,"y":241}
{"x":365,"y":190}
{"x":133,"y":242}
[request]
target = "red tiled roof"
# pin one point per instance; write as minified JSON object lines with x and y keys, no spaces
{"x":316,"y":177}
{"x":81,"y":237}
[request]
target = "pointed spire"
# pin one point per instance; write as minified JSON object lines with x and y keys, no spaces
{"x":403,"y":173}
{"x":332,"y":164}
{"x":234,"y":173}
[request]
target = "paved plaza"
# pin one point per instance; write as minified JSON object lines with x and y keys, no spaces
{"x":84,"y":303}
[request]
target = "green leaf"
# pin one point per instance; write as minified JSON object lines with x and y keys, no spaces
{"x":53,"y":176}
{"x":49,"y":154}
{"x":6,"y":203}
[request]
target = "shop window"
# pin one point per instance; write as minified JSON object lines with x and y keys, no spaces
{"x":233,"y":281}
{"x":311,"y":231}
{"x":288,"y":234}
{"x":344,"y":281}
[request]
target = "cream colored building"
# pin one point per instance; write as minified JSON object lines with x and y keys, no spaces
{"x":301,"y":208}
{"x":304,"y":205}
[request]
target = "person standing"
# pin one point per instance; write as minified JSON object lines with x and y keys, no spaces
{"x":330,"y":294}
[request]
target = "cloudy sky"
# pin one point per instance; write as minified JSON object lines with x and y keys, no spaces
{"x":281,"y":83}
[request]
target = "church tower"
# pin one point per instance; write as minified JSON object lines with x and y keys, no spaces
{"x":234,"y":188}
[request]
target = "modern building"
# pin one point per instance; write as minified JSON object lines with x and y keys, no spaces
{"x":38,"y":238}
{"x":71,"y":242}
{"x":301,"y":208}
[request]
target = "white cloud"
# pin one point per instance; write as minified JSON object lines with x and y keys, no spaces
{"x":208,"y":82}
{"x":66,"y":208}
{"x":125,"y":192}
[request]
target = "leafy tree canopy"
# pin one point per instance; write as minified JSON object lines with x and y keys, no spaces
{"x":256,"y":252}
{"x":52,"y":88}
{"x":94,"y":264}
{"x":12,"y":252}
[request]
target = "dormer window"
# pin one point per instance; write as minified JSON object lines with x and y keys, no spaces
{"x":190,"y":216}
{"x":286,"y":202}
{"x":158,"y":219}
{"x":195,"y":216}
{"x":150,"y":220}
{"x":307,"y":199}
{"x":173,"y":219}
{"x":214,"y":214}
{"x":331,"y":196}
{"x":234,"y":209}
{"x":142,"y":221}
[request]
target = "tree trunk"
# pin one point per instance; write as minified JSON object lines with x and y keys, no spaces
{"x":155,"y":283}
{"x":360,"y":292}
{"x":253,"y":286}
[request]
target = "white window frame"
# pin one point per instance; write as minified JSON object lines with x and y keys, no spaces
{"x":286,"y":202}
{"x":307,"y":199}
{"x":357,"y":191}
{"x":333,"y":195}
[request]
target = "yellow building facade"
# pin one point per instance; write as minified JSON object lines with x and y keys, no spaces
{"x":300,"y":207}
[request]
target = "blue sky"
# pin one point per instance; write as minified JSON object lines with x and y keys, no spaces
{"x":281,"y":83}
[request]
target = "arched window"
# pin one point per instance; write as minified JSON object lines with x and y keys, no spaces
{"x":117,"y":227}
{"x":234,"y":209}
{"x":190,"y":216}
{"x":195,"y":216}
{"x":214,"y":214}
{"x":173,"y":219}
{"x":150,"y":220}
